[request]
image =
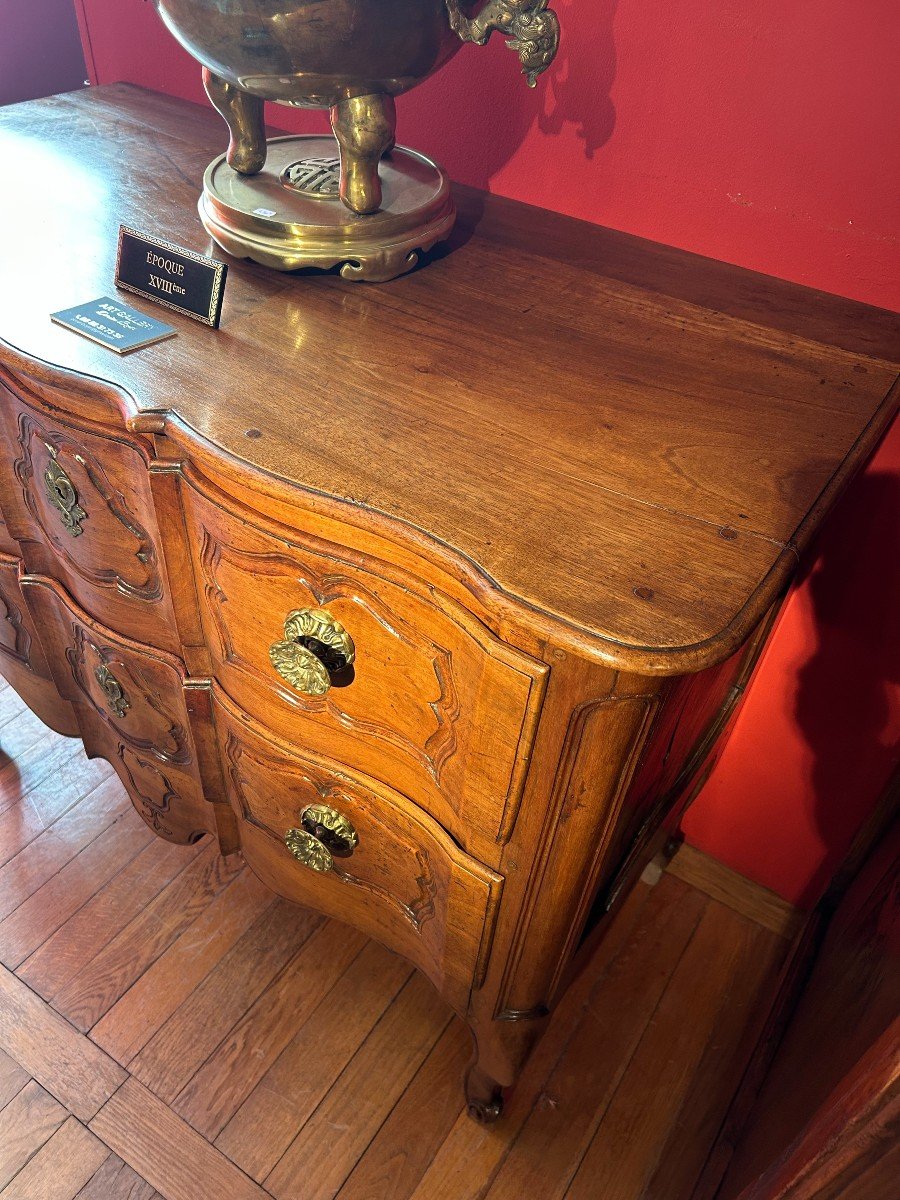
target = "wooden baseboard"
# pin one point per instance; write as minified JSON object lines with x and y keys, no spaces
{"x":750,"y":899}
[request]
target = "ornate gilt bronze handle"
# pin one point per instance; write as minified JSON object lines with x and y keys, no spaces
{"x":324,"y":834}
{"x":62,"y":495}
{"x":315,"y":646}
{"x":529,"y":26}
{"x":116,"y":699}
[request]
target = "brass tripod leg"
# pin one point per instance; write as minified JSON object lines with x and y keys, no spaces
{"x":364,"y":127}
{"x":244,"y":116}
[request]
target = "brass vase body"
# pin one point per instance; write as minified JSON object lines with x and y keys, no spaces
{"x":314,"y":53}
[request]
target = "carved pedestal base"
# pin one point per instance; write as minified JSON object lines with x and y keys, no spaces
{"x":290,"y":214}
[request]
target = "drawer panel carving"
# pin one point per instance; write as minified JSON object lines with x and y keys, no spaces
{"x":131,"y":710}
{"x":18,"y":639}
{"x":79,"y":503}
{"x":418,"y":693}
{"x":342,"y":843}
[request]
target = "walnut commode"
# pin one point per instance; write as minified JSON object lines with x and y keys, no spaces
{"x":442,"y":638}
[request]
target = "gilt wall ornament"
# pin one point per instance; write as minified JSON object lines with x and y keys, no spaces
{"x":281,"y":202}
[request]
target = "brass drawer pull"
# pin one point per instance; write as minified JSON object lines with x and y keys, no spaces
{"x":324,"y":835}
{"x":116,"y":699}
{"x":315,"y":647}
{"x":62,"y":495}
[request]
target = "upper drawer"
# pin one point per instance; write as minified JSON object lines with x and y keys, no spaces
{"x":79,"y":502}
{"x":434,"y":705}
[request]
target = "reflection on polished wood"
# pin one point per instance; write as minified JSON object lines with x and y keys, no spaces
{"x":548,"y":496}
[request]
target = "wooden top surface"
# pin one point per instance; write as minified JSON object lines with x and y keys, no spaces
{"x":625,"y":436}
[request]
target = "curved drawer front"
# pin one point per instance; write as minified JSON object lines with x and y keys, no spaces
{"x":433,"y":705}
{"x":79,"y":504}
{"x":131,"y":709}
{"x":377,"y":863}
{"x":19,"y":644}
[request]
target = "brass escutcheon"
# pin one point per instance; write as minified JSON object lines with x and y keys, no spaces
{"x":62,"y":495}
{"x":116,"y":699}
{"x":314,"y":646}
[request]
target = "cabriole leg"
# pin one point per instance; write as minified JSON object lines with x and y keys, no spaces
{"x":484,"y":1096}
{"x":245,"y":117}
{"x":364,"y":127}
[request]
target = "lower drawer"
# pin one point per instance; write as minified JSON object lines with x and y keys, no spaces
{"x":129,"y":703}
{"x":344,"y":844}
{"x":22,"y":661}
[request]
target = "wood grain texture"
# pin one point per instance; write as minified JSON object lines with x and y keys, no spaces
{"x":26,"y":1123}
{"x":708,"y":875}
{"x":135,"y":1123}
{"x":611,"y":421}
{"x":65,"y":1163}
{"x":77,"y":1073}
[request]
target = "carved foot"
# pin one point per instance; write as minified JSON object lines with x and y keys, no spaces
{"x":484,"y":1097}
{"x":245,"y":117}
{"x":364,"y":127}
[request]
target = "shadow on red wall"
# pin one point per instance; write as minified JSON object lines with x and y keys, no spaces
{"x":844,"y":697}
{"x":819,"y":735}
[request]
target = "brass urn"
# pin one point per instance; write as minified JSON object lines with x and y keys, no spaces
{"x":365,"y":203}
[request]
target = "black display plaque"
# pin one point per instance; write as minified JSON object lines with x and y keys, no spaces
{"x":181,"y":279}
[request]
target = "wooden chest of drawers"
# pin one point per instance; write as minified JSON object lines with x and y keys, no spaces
{"x":434,"y":599}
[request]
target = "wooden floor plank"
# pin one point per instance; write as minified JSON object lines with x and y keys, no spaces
{"x":125,"y":896}
{"x":170,"y":978}
{"x":31,"y":814}
{"x":628,"y":1148}
{"x":321,"y":1064}
{"x":26,"y":1123}
{"x":52,"y":776}
{"x":470,"y":1156}
{"x":17,"y":737}
{"x":28,"y":767}
{"x":115,"y":1180}
{"x":172,"y":1056}
{"x":60,"y":1168}
{"x":221,"y":1085}
{"x":192,"y":878}
{"x":38,"y":917}
{"x":12,"y":1078}
{"x":397,"y":1157}
{"x":290,"y":1091}
{"x":587,"y":1076}
{"x":750,"y":989}
{"x":316,"y":1164}
{"x":165,"y":1151}
{"x":69,"y":1066}
{"x":49,"y":852}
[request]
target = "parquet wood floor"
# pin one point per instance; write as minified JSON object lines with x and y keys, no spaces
{"x":168,"y":1028}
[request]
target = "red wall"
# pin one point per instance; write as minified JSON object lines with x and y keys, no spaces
{"x":761,"y":134}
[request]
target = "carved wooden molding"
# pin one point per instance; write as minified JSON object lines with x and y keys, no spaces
{"x":168,"y":741}
{"x":143,"y":582}
{"x":17,"y":641}
{"x":337,"y":792}
{"x":439,"y":746}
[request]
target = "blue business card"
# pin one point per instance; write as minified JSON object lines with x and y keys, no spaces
{"x":113,"y":324}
